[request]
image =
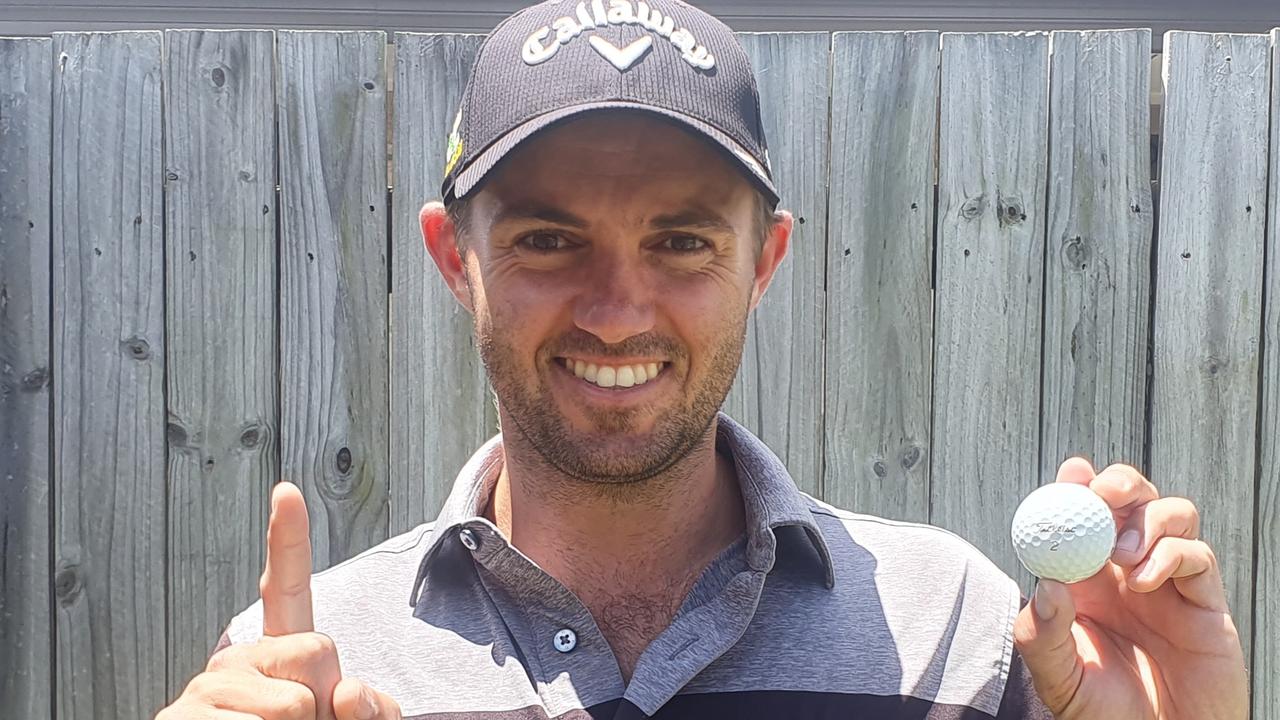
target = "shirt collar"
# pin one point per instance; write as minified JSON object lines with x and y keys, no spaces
{"x":770,"y":497}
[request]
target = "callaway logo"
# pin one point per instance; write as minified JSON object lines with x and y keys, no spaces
{"x":620,"y":12}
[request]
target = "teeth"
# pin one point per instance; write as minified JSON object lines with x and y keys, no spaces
{"x":624,"y":376}
{"x":606,"y":377}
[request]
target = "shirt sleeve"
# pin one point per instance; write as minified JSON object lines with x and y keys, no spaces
{"x":1020,"y":701}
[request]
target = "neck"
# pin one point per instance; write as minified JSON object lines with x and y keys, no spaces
{"x":659,"y":532}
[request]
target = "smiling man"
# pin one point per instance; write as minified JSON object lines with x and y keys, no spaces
{"x":623,"y":550}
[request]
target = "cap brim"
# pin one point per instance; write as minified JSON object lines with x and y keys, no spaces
{"x":475,"y":171}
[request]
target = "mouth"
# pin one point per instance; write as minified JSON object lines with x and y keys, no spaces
{"x":616,"y":377}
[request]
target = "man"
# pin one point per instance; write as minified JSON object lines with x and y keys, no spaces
{"x":622,"y":550}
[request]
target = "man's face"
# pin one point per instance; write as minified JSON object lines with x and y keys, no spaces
{"x":602,"y":250}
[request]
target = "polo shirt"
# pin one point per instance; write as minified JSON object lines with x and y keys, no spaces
{"x":814,"y":612}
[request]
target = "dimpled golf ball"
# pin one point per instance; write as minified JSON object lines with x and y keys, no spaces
{"x":1063,"y":532}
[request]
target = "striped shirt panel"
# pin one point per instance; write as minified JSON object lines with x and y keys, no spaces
{"x":815,"y":612}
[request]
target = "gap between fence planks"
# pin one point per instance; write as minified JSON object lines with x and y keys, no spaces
{"x":26,"y":671}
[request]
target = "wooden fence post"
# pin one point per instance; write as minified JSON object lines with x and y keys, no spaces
{"x":108,"y":368}
{"x":26,"y":674}
{"x":1208,"y":300}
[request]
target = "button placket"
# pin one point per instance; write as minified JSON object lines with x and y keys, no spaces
{"x":547,"y":611}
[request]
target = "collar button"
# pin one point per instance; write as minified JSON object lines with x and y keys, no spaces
{"x":468,"y":539}
{"x":565,"y":640}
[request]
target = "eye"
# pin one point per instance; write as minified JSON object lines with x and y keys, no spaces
{"x":544,"y":242}
{"x":685,"y":243}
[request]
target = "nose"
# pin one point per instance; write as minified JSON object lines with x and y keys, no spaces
{"x":617,"y":300}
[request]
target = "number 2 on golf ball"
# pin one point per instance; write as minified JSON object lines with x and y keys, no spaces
{"x":1064,"y":532}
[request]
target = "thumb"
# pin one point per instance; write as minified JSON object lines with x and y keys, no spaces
{"x":353,"y":700}
{"x":286,"y":581}
{"x":1042,"y":633}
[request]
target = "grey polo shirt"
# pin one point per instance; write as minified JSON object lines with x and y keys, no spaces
{"x":814,"y":612}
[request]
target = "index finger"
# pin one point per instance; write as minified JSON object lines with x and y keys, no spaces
{"x":286,"y":581}
{"x":1121,"y":486}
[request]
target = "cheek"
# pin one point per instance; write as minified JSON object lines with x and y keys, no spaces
{"x":525,"y":314}
{"x":701,"y":311}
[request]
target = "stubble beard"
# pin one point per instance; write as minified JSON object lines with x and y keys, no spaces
{"x":613,"y":454}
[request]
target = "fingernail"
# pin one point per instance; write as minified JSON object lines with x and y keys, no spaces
{"x":367,"y":709}
{"x":1129,"y":541}
{"x":1042,"y":603}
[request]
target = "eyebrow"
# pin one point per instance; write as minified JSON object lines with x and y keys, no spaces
{"x":693,"y":219}
{"x":541,"y":213}
{"x":704,"y":220}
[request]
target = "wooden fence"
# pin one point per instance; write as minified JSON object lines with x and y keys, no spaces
{"x":206,"y":285}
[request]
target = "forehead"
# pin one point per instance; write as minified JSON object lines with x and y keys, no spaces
{"x":612,"y":160}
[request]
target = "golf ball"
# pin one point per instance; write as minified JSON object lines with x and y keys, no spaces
{"x":1063,"y":532}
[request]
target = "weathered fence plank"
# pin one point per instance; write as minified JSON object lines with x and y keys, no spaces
{"x":1266,"y":613}
{"x":778,"y":392}
{"x":221,"y":282}
{"x":439,"y":395}
{"x":1266,"y":561}
{"x":879,"y":346}
{"x":333,"y":284}
{"x":1208,"y":302}
{"x":990,"y":255}
{"x":1098,"y":249}
{"x":26,"y":672}
{"x":109,"y":367}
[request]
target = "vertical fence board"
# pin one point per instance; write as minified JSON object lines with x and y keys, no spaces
{"x":25,"y":147}
{"x":108,"y":365}
{"x":879,"y":346}
{"x":1266,"y":561}
{"x":1208,"y":302}
{"x":333,"y":284}
{"x":1098,"y":249}
{"x":990,"y":257}
{"x":778,"y":391}
{"x":221,"y":282}
{"x":439,"y":395}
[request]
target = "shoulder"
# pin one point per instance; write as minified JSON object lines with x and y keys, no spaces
{"x":901,"y":546}
{"x":921,"y":569}
{"x":360,"y":592}
{"x":934,"y":611}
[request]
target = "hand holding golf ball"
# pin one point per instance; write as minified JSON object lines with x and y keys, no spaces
{"x":1129,"y":618}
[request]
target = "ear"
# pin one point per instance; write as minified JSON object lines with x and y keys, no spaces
{"x":771,"y":255}
{"x":442,"y":243}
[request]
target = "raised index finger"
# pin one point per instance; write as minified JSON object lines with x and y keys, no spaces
{"x":286,"y":581}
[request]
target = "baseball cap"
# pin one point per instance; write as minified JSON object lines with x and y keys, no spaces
{"x":558,"y":59}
